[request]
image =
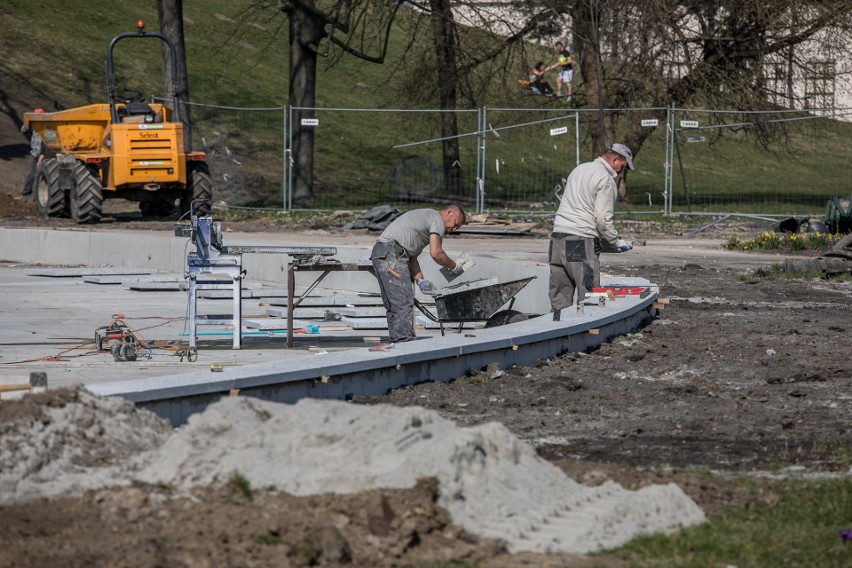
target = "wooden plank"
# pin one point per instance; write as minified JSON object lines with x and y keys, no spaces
{"x":19,"y":387}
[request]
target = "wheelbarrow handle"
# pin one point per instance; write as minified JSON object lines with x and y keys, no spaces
{"x":426,"y":312}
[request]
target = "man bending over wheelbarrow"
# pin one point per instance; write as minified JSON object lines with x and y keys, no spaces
{"x":394,"y":258}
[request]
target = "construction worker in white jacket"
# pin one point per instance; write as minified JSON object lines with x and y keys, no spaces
{"x":583,"y":227}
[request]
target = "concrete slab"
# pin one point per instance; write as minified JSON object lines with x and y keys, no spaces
{"x":302,"y":313}
{"x":124,"y":279}
{"x":167,"y":285}
{"x":362,"y":312}
{"x":365,"y":323}
{"x":278,"y":292}
{"x":84,"y":271}
{"x":275,"y":323}
{"x":328,"y":301}
{"x":426,"y":323}
{"x":35,"y":337}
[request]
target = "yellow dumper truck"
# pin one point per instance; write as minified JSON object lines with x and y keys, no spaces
{"x":125,"y":149}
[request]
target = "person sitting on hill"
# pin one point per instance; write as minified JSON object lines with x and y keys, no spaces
{"x":537,"y":83}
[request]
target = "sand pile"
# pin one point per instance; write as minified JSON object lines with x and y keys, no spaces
{"x":491,"y":483}
{"x":65,"y":441}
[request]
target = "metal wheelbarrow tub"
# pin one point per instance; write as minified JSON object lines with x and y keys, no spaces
{"x":474,"y":301}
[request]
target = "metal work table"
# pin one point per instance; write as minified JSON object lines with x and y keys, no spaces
{"x":312,"y":264}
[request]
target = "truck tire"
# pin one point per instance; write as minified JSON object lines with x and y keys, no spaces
{"x":199,"y":188}
{"x":87,"y":198}
{"x":51,"y":201}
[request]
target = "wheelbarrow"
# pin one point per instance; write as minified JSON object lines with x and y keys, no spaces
{"x":478,"y":300}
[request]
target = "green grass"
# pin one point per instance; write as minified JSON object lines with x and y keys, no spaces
{"x":242,"y":486}
{"x":306,"y":551}
{"x":268,"y":539}
{"x":800,"y":529}
{"x":480,"y":380}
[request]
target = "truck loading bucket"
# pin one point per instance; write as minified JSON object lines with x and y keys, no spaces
{"x":73,"y":130}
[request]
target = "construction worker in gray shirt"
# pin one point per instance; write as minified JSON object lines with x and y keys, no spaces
{"x":583,"y":227}
{"x":394,"y":258}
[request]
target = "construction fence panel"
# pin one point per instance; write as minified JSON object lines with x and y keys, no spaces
{"x":645,"y":188}
{"x":518,"y":159}
{"x":774,"y":163}
{"x":526,"y":155}
{"x":245,"y":153}
{"x":368,"y":157}
{"x":529,"y":154}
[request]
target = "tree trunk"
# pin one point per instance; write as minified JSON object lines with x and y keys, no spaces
{"x":170,"y":13}
{"x":443,"y":32}
{"x":306,"y":27}
{"x":586,"y":43}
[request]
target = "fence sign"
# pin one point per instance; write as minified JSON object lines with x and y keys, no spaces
{"x":558,"y":131}
{"x":650,"y":122}
{"x":689,"y":124}
{"x":310,"y":122}
{"x":695,"y":139}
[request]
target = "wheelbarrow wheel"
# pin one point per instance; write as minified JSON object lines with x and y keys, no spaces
{"x":506,"y":316}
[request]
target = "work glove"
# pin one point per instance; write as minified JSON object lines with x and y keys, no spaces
{"x":623,"y":246}
{"x":463,"y":262}
{"x":427,"y":287}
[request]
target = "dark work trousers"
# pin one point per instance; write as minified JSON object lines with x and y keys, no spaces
{"x":30,"y":178}
{"x":392,"y":272}
{"x":575,"y":266}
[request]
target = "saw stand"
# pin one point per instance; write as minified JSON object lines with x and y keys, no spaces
{"x":209,"y":269}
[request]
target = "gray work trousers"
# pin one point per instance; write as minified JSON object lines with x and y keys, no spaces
{"x":575,"y":267}
{"x":392,"y":272}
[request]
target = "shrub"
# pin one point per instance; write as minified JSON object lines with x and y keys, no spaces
{"x":783,"y":242}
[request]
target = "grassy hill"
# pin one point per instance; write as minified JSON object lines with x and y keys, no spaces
{"x":54,"y":52}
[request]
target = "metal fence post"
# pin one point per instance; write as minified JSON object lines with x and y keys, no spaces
{"x":669,"y":169}
{"x":288,"y":161}
{"x":284,"y":153}
{"x":481,"y":147}
{"x":577,"y":136}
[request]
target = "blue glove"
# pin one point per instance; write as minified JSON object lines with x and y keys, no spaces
{"x":623,"y":245}
{"x":427,"y":287}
